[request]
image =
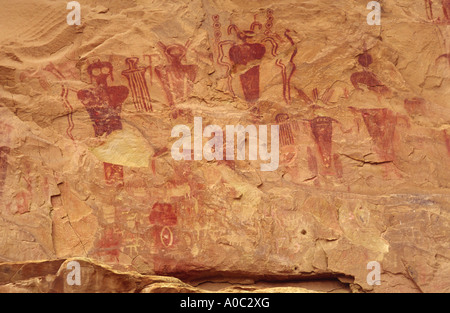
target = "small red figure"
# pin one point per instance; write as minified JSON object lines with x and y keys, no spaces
{"x":366,"y":77}
{"x":286,"y":129}
{"x":163,"y":216}
{"x":4,"y":151}
{"x":110,"y":243}
{"x":322,"y":131}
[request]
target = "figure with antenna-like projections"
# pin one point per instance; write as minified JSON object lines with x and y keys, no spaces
{"x":104,"y":105}
{"x":246,"y":52}
{"x":177,"y":79}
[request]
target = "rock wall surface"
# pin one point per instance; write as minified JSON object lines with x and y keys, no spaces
{"x":87,"y":168}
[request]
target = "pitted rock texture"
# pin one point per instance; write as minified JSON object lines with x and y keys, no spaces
{"x":86,"y":169}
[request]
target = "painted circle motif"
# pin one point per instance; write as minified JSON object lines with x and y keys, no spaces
{"x":166,"y":236}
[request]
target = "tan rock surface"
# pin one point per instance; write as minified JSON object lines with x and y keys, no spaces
{"x":86,"y":171}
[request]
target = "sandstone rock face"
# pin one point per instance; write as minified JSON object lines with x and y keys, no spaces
{"x":87,"y":169}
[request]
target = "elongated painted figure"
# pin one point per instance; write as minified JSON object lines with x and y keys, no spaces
{"x":138,"y":85}
{"x":246,"y":52}
{"x":104,"y":105}
{"x":176,"y":78}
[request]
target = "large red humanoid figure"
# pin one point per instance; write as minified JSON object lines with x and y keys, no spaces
{"x":104,"y":105}
{"x":246,"y":53}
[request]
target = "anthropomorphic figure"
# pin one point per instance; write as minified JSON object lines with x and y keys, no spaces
{"x":163,"y":217}
{"x":287,"y":128}
{"x":366,"y":77}
{"x":246,"y":51}
{"x":136,"y":80}
{"x":322,"y":133}
{"x":176,"y":78}
{"x":104,"y":105}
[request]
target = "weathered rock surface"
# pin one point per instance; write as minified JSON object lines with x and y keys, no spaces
{"x":51,"y":277}
{"x":86,"y":170}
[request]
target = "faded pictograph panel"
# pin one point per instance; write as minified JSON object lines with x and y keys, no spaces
{"x":109,"y":244}
{"x":382,"y":124}
{"x":122,"y":234}
{"x":46,"y":74}
{"x":438,"y":13}
{"x":31,"y":74}
{"x":415,"y":106}
{"x":56,"y":73}
{"x":447,"y":140}
{"x":25,"y":191}
{"x":5,"y":134}
{"x":4,"y":152}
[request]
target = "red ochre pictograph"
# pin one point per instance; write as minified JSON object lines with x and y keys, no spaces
{"x":246,"y":52}
{"x":322,"y":132}
{"x":5,"y":133}
{"x":381,"y":124}
{"x":176,"y":77}
{"x":104,"y":105}
{"x":366,"y":77}
{"x":4,"y":152}
{"x":62,"y":72}
{"x":163,"y":216}
{"x":287,"y":128}
{"x":138,"y":85}
{"x":445,"y":10}
{"x":325,"y":97}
